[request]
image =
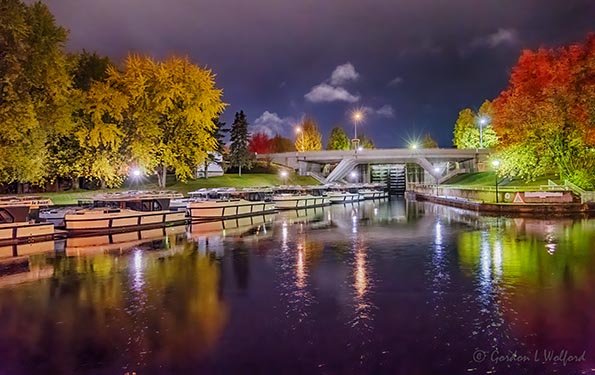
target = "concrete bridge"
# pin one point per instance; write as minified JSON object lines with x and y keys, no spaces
{"x":428,"y":165}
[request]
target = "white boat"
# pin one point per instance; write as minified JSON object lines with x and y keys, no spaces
{"x":16,"y":226}
{"x":373,"y":191}
{"x":295,"y":197}
{"x":343,"y":194}
{"x":124,"y":211}
{"x":30,"y":201}
{"x":219,"y":204}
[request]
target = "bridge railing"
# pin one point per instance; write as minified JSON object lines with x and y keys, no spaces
{"x":502,"y":188}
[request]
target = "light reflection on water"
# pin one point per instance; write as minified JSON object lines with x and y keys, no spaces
{"x":376,"y":287}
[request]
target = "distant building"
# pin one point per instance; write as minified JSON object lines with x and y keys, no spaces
{"x":213,"y":169}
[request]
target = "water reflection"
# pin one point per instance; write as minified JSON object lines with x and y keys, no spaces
{"x":375,"y":287}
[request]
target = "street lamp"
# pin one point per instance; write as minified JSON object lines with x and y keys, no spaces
{"x":496,"y":164}
{"x":357,"y":116}
{"x":353,"y":175}
{"x":413,"y":145}
{"x":283,"y":175}
{"x":482,"y":121}
{"x":300,"y":131}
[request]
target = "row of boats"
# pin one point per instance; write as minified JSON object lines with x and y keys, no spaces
{"x":34,"y":218}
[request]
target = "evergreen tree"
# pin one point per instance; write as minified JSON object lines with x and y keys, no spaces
{"x":366,"y":142}
{"x":338,"y":140}
{"x":428,"y":142}
{"x":239,"y":156}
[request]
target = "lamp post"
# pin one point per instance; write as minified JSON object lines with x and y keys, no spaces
{"x":496,"y":164}
{"x":357,"y":116}
{"x":483,"y":121}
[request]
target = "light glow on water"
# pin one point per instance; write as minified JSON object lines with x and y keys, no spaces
{"x":374,"y":290}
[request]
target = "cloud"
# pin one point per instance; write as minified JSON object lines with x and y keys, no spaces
{"x":326,"y":93}
{"x":395,"y":82}
{"x":386,"y":111}
{"x":272,"y":124}
{"x":499,"y":38}
{"x":343,"y":74}
{"x":331,"y":90}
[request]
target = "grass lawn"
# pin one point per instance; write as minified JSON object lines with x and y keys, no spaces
{"x":488,"y":179}
{"x":228,"y":180}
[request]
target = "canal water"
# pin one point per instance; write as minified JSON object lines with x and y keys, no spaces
{"x":389,"y":287}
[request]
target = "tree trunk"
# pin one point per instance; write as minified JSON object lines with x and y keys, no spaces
{"x":162,"y":176}
{"x":206,"y":170}
{"x":75,"y":183}
{"x":240,"y":170}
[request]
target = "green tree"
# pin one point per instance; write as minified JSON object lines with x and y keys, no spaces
{"x":35,"y":87}
{"x":89,"y":67}
{"x":338,"y":140}
{"x":281,"y":144}
{"x":467,"y":132}
{"x":366,"y":142}
{"x":309,"y":138}
{"x":428,"y":142}
{"x":100,"y":134}
{"x":67,"y":158}
{"x":239,"y":156}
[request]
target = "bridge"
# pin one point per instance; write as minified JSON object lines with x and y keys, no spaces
{"x":433,"y":165}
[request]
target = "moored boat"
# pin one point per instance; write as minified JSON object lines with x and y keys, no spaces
{"x":295,"y":197}
{"x":219,"y":204}
{"x":343,"y":194}
{"x":16,"y":225}
{"x":372,"y":191}
{"x":124,"y":211}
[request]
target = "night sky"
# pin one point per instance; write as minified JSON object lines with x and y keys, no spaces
{"x":410,"y":64}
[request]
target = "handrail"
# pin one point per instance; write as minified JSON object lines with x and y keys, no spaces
{"x":574,"y":188}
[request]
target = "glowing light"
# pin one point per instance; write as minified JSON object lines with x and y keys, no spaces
{"x":300,"y":268}
{"x":138,"y":280}
{"x":353,"y":174}
{"x":361,"y":278}
{"x":283,"y":173}
{"x":436,"y":169}
{"x":496,"y":163}
{"x":438,"y":233}
{"x":483,"y":120}
{"x":360,"y":148}
{"x":413,"y":146}
{"x":357,"y":116}
{"x":136,"y":172}
{"x":298,"y":129}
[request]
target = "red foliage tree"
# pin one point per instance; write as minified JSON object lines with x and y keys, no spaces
{"x":548,"y":110}
{"x":260,"y":143}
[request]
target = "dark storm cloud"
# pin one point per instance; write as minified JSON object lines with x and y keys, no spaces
{"x":423,"y":59}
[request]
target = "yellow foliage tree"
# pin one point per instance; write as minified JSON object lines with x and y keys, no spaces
{"x":308,"y":137}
